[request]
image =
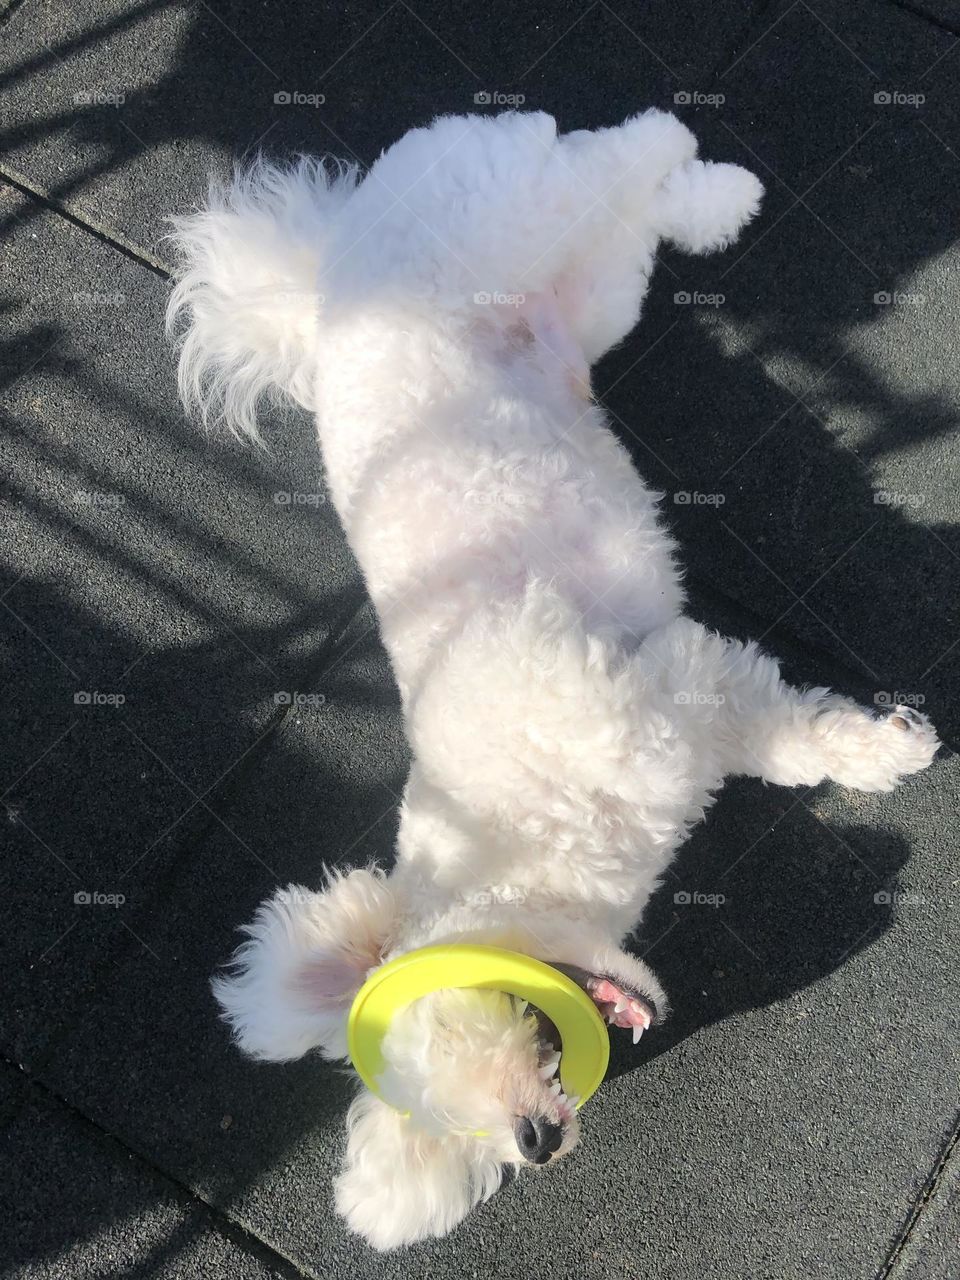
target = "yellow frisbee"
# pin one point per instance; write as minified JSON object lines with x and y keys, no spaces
{"x":584,"y":1040}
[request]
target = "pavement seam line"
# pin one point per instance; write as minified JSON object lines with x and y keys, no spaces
{"x":231,"y":1228}
{"x":10,"y":1113}
{"x":104,"y":234}
{"x":929,"y":1190}
{"x":918,"y":11}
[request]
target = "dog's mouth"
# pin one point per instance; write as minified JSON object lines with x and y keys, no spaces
{"x":549,"y":1049}
{"x":619,"y":1004}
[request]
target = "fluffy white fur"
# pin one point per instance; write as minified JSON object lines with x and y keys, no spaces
{"x":568,"y":723}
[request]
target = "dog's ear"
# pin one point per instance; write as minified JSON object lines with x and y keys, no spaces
{"x":290,"y":985}
{"x":399,"y":1184}
{"x":702,"y":206}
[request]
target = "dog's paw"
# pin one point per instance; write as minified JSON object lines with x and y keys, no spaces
{"x":876,"y":753}
{"x":906,"y":719}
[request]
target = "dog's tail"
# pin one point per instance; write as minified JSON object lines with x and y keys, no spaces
{"x":246,"y":303}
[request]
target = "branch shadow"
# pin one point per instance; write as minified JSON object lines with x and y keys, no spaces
{"x":792,"y":422}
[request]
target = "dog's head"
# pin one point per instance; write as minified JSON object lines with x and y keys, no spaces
{"x":476,"y":1072}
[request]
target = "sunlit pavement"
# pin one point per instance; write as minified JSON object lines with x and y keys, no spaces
{"x":198,"y":708}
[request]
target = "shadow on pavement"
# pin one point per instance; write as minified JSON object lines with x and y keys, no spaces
{"x":781,"y":401}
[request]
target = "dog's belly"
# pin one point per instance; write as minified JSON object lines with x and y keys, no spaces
{"x":472,"y":528}
{"x":461,"y":482}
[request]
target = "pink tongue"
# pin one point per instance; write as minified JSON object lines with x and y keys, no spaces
{"x":608,"y":995}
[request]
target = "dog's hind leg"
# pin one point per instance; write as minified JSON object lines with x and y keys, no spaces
{"x":771,"y":730}
{"x":465,"y":211}
{"x":474,"y":207}
{"x":646,"y":185}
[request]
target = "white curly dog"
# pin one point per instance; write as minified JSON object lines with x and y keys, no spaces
{"x":568,"y":723}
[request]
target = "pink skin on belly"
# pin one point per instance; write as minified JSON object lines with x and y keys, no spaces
{"x":543,"y":313}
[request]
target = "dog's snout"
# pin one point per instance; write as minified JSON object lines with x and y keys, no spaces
{"x":537,"y":1138}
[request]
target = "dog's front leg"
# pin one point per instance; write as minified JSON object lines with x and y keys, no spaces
{"x":771,"y":730}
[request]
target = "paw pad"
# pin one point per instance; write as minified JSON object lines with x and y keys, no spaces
{"x":905,"y":718}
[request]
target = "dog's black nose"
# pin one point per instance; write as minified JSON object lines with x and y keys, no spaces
{"x":537,"y":1138}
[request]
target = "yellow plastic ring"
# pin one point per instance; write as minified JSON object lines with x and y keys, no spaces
{"x":585,"y":1042}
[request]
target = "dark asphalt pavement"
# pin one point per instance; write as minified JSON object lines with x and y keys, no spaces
{"x":165,"y":597}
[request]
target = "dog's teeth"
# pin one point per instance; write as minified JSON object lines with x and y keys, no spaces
{"x":554,"y":1089}
{"x":547,"y":1071}
{"x":574,"y":1100}
{"x":637,"y":1033}
{"x":620,"y":1005}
